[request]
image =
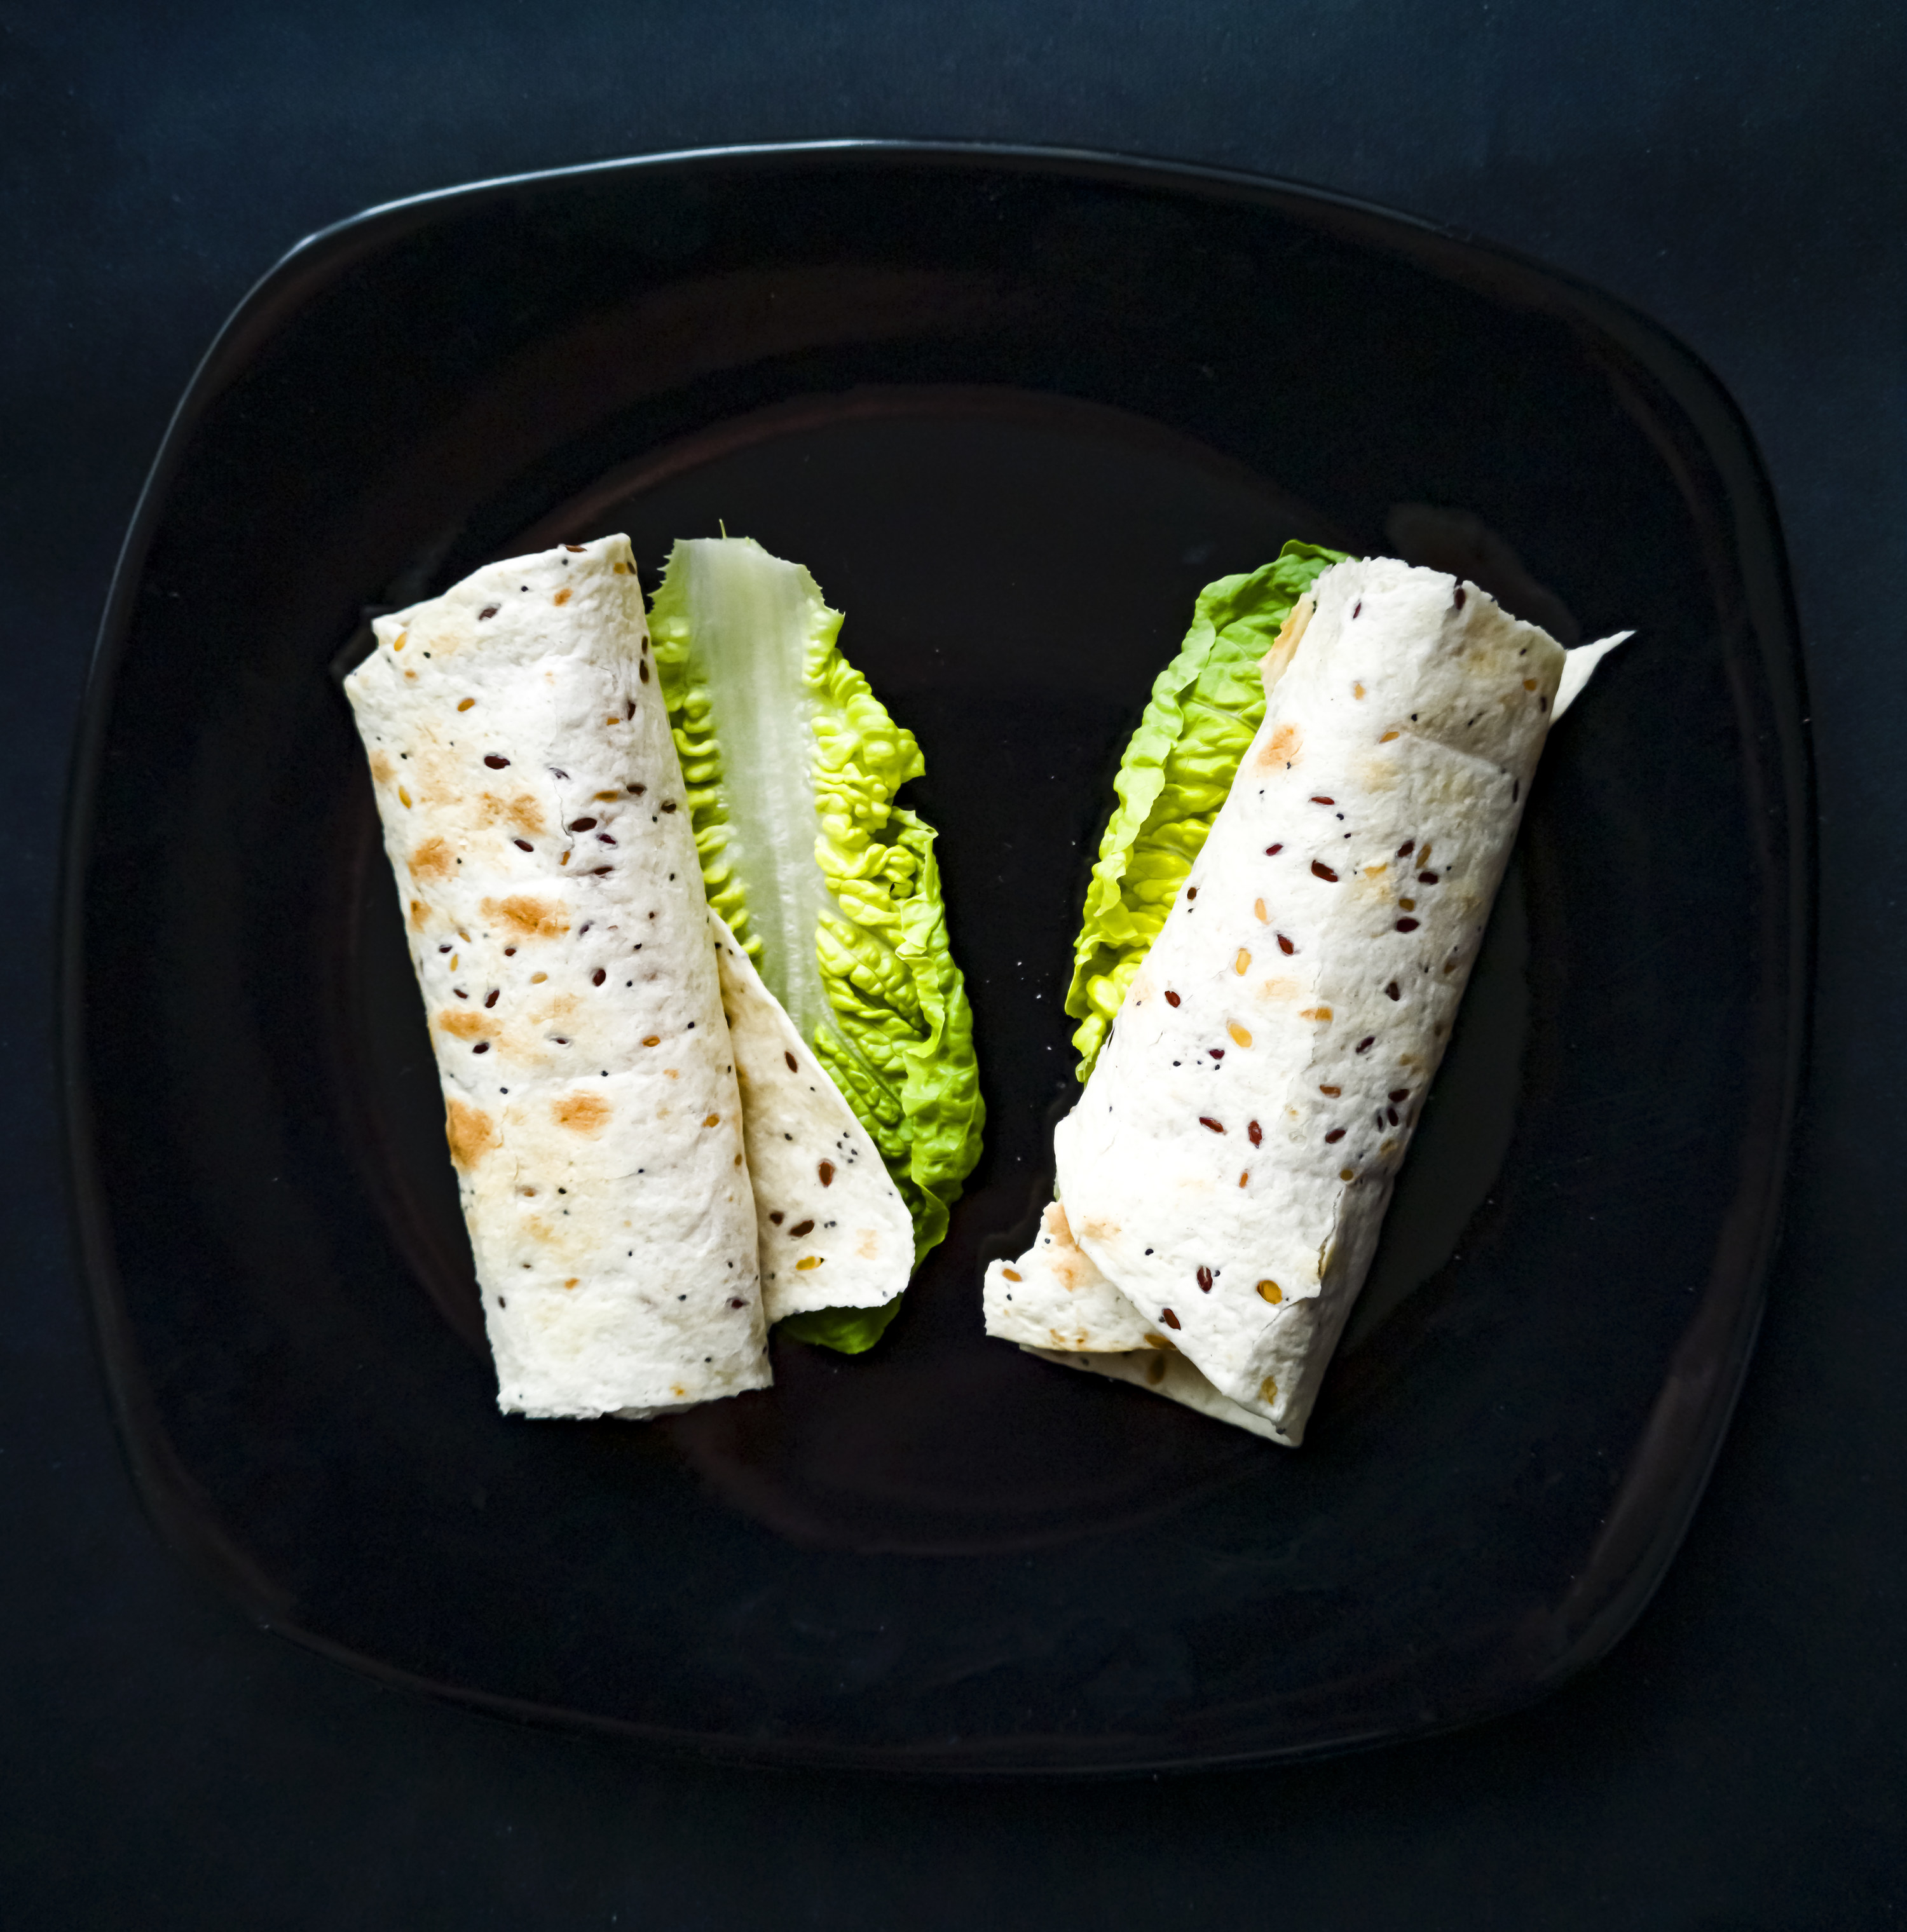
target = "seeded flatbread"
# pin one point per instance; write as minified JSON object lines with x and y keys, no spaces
{"x":834,"y":1232}
{"x":1053,"y":1296}
{"x":1230,"y":1163}
{"x":532,"y":805}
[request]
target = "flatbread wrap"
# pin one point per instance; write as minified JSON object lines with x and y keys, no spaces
{"x":535,"y":819}
{"x":1228,"y":1166}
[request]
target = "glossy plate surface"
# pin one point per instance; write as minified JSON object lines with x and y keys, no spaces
{"x":1013,"y":409}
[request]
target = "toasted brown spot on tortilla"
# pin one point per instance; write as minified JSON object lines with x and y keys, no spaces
{"x":533,"y":918}
{"x":523,"y":811}
{"x":470,"y":1132}
{"x":419,"y":912}
{"x":564,"y":595}
{"x":582,"y":1113}
{"x":433,"y":859}
{"x":382,"y":770}
{"x":1283,"y":747}
{"x":465,"y":1026}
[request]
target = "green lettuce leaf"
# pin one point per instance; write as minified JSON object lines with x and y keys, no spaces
{"x":1204,"y":708}
{"x":792,"y":764}
{"x":852,"y":1330}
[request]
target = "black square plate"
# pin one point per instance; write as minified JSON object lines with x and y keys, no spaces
{"x":1013,"y":408}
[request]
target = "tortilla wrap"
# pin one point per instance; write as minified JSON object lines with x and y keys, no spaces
{"x":532,"y":806}
{"x":1229,"y":1162}
{"x":834,"y":1231}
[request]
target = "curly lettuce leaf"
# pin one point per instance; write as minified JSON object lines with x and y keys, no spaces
{"x":1205,"y":706}
{"x":791,"y":765}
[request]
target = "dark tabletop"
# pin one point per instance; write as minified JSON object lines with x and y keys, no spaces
{"x":1736,"y":171}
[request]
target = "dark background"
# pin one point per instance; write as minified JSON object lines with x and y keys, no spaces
{"x":1737,"y":170}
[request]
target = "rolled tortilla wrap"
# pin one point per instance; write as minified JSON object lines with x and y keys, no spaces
{"x":833,"y":1229}
{"x":1229,"y":1164}
{"x":532,"y":805}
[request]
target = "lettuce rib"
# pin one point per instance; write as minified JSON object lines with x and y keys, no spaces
{"x":1179,"y":765}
